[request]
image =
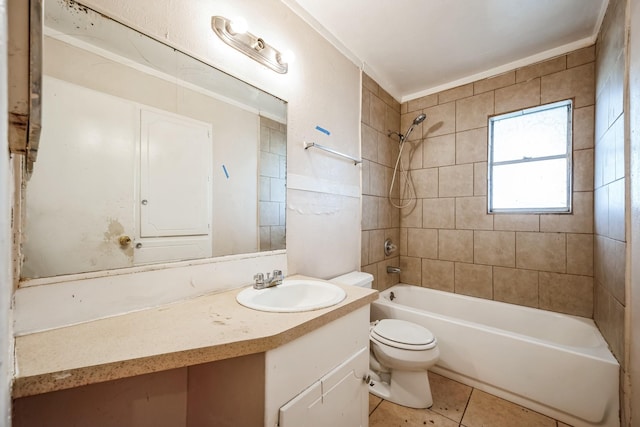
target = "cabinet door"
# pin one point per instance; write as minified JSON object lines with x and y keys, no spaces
{"x":339,"y":399}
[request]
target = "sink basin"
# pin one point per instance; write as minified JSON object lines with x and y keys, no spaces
{"x":293,"y":295}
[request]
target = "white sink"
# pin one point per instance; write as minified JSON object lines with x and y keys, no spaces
{"x":292,"y":295}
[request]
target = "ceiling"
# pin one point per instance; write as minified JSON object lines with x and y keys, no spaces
{"x":416,"y":47}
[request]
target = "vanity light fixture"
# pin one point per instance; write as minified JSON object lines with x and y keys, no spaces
{"x":252,"y":46}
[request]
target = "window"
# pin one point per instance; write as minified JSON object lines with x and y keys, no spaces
{"x":530,"y":160}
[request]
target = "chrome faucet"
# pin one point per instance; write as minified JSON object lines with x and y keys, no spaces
{"x":262,"y":283}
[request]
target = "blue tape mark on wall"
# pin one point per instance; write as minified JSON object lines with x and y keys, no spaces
{"x":224,"y":168}
{"x":323,"y":130}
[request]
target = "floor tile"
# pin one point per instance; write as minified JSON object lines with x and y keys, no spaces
{"x":485,"y":410}
{"x":374,"y":401}
{"x":449,"y":397}
{"x":388,"y":414}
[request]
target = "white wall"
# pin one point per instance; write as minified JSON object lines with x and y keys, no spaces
{"x":6,"y":286}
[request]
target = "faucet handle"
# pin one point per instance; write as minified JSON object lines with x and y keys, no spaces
{"x":259,"y":278}
{"x":277,"y":274}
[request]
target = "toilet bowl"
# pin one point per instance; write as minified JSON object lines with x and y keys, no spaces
{"x":400,"y":354}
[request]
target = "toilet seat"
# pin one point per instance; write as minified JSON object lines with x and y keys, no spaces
{"x":403,"y":335}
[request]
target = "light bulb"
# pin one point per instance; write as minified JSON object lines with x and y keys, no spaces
{"x":238,"y":25}
{"x":287,"y":57}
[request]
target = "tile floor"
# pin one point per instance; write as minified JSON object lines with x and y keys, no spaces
{"x":457,"y":405}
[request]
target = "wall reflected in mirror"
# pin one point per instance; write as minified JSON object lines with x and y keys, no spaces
{"x":147,"y":155}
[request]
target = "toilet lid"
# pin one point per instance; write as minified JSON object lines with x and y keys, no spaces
{"x":403,"y":334}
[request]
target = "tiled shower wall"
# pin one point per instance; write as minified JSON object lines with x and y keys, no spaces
{"x":447,"y":239}
{"x":380,"y":220}
{"x":610,"y":177}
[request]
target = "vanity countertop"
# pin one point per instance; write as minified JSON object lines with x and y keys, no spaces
{"x":188,"y":332}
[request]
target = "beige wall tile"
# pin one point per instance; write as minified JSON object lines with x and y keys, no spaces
{"x":473,"y":112}
{"x":364,"y":248}
{"x":515,"y":286}
{"x":366,"y":103}
{"x":386,"y":214}
{"x":438,"y":274}
{"x":471,"y":214}
{"x":471,"y":146}
{"x":370,"y":84}
{"x":455,"y":181}
{"x":581,"y":56}
{"x":463,"y":91}
{"x":411,"y":154}
{"x":386,"y":280}
{"x":438,"y":213}
{"x":440,"y":120}
{"x":609,"y":315}
{"x":369,"y":143}
{"x":455,"y":245}
{"x":580,"y":254}
{"x":514,"y":222}
{"x":369,"y":212}
{"x":422,"y":243}
{"x":610,"y":264}
{"x":366,"y":167}
{"x":376,"y":245}
{"x":377,"y":179}
{"x":583,"y":170}
{"x":402,"y":244}
{"x":493,"y":83}
{"x":517,"y":97}
{"x":474,"y":280}
{"x":411,"y":270}
{"x":411,"y":217}
{"x":577,"y":83}
{"x":541,"y":251}
{"x":494,"y":248}
{"x":566,"y":293}
{"x":439,"y":151}
{"x":422,"y":103}
{"x":387,"y":150}
{"x":480,"y":179}
{"x":580,"y":221}
{"x":601,"y":210}
{"x":617,"y":210}
{"x":425,"y":182}
{"x":583,"y":127}
{"x":541,"y":68}
{"x":377,"y":114}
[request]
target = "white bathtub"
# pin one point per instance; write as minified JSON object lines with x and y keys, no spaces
{"x":555,"y":364}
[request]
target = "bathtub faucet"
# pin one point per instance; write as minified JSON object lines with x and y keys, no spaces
{"x":393,"y":270}
{"x":270,"y":281}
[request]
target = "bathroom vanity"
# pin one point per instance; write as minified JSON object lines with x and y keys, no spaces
{"x":202,"y":361}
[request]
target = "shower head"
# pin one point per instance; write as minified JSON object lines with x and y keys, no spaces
{"x":416,"y":122}
{"x":419,"y":119}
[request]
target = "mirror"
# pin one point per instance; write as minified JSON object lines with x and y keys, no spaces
{"x":147,"y":155}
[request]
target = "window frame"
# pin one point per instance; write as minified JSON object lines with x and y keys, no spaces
{"x":568,"y":104}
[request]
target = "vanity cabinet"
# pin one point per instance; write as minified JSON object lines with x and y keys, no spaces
{"x":285,"y":372}
{"x":318,"y":379}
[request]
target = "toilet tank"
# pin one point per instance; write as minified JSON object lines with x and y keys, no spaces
{"x":355,"y":278}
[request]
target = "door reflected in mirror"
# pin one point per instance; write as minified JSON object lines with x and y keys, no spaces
{"x":147,"y":155}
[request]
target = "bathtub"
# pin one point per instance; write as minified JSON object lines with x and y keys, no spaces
{"x":555,"y":364}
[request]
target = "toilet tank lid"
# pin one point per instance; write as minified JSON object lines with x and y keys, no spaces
{"x":355,"y":278}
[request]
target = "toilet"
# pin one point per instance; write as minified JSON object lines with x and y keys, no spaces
{"x":401,"y":352}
